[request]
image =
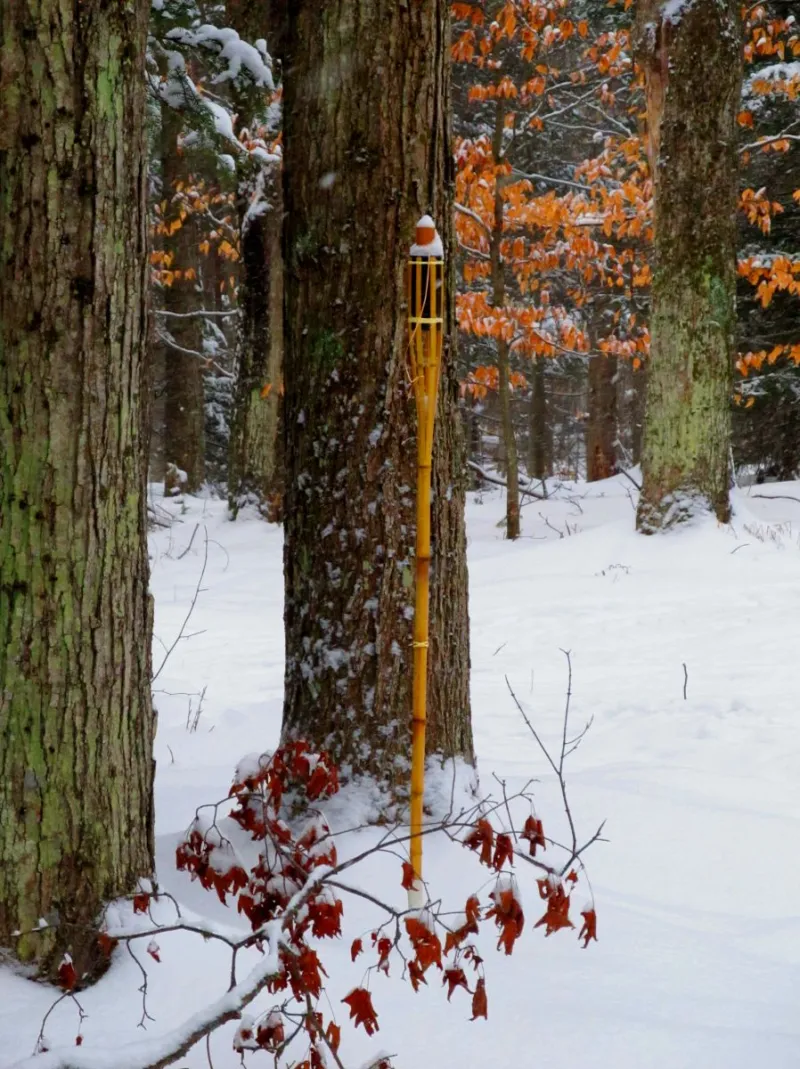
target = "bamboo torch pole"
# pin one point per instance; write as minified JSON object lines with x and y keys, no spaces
{"x":425,"y":291}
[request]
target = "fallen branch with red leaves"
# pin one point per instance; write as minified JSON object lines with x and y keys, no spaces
{"x":292,"y":895}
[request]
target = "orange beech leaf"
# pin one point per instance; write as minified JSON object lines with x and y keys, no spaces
{"x":589,"y":929}
{"x":361,"y":1009}
{"x":480,"y":1006}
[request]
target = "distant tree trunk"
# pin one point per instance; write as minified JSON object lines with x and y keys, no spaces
{"x":184,"y":390}
{"x":692,"y":60}
{"x":253,"y":456}
{"x":367,"y":153}
{"x":503,"y":367}
{"x":540,"y":449}
{"x":601,"y":430}
{"x":76,"y":720}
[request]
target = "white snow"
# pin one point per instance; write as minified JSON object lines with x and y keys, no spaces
{"x":432,"y":248}
{"x":238,"y":54}
{"x":698,"y":960}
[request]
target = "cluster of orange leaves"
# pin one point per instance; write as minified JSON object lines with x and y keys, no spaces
{"x":600,"y":236}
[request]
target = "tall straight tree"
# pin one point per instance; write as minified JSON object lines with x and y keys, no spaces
{"x":253,"y":469}
{"x":367,"y":151}
{"x":76,"y":720}
{"x":184,"y":387}
{"x":691,"y":55}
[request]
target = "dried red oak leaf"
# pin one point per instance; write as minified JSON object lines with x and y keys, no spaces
{"x":67,"y":976}
{"x":106,"y":944}
{"x":356,"y":949}
{"x":503,"y":851}
{"x":556,"y":916}
{"x":333,"y":1034}
{"x":326,"y":918}
{"x":384,"y":947}
{"x":455,"y":978}
{"x":456,"y":937}
{"x":426,"y":943}
{"x":361,"y":1009}
{"x":482,"y":838}
{"x":589,"y":928}
{"x":270,"y":1035}
{"x":407,"y":882}
{"x":534,"y":833}
{"x":416,"y":975}
{"x":141,"y":902}
{"x":508,"y":916}
{"x":479,"y":1002}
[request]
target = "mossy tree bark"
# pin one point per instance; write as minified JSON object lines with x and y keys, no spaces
{"x":692,"y":60}
{"x":367,"y":153}
{"x":76,"y":720}
{"x":601,"y":430}
{"x":253,"y":459}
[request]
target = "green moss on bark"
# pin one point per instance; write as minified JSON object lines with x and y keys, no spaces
{"x":693,"y":67}
{"x":76,"y":719}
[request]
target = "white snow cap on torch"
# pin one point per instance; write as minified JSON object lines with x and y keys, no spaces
{"x":426,"y":240}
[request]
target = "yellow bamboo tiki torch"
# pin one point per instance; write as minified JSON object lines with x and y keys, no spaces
{"x":426,"y":294}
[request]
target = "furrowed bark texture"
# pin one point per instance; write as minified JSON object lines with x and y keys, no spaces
{"x":540,"y":437}
{"x":601,"y":431}
{"x":253,"y":459}
{"x":693,"y":65}
{"x":367,"y":153}
{"x":76,"y":720}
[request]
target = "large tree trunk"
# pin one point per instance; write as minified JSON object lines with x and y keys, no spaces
{"x":367,"y":153}
{"x":184,"y":386}
{"x":692,"y":60}
{"x":503,"y":366}
{"x":253,"y":460}
{"x":540,"y":444}
{"x":601,"y":430}
{"x":76,"y":720}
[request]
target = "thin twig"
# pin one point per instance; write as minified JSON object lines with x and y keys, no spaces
{"x":180,"y":634}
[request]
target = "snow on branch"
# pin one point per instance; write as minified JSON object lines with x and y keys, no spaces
{"x":238,"y":54}
{"x":160,"y":1051}
{"x":293,"y":894}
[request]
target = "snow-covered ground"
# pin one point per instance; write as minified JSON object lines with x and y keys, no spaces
{"x":697,"y":889}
